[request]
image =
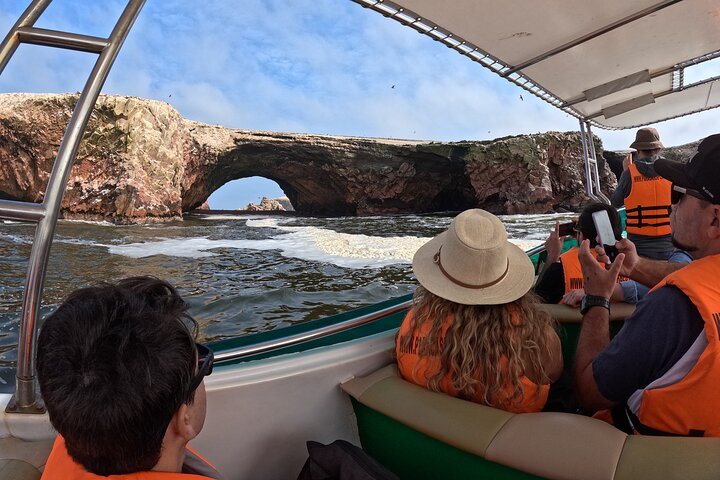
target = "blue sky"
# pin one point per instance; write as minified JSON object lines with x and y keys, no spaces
{"x":310,"y":66}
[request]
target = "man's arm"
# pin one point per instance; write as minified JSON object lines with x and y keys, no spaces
{"x":595,"y":329}
{"x":650,"y":272}
{"x":594,"y":337}
{"x":617,"y":199}
{"x":642,"y":270}
{"x":553,"y":247}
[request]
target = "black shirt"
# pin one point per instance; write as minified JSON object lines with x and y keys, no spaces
{"x":551,"y":285}
{"x":660,"y":331}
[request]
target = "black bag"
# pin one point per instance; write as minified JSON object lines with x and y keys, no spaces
{"x":342,"y":460}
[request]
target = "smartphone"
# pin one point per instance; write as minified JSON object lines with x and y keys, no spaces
{"x":566,"y":229}
{"x":606,"y":236}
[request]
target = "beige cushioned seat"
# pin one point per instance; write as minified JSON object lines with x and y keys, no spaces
{"x":550,"y":445}
{"x":14,"y":469}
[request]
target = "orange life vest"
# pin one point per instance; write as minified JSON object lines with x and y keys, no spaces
{"x":647,"y":207}
{"x":60,"y":466}
{"x":573,"y":273}
{"x":417,"y":367}
{"x":684,"y":400}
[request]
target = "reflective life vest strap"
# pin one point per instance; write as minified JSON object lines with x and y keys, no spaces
{"x":636,"y":217}
{"x":648,"y":205}
{"x":628,"y":422}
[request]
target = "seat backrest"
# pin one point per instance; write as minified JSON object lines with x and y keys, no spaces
{"x":547,"y":445}
{"x":14,"y":469}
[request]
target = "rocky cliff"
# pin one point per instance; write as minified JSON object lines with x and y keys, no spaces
{"x":140,"y":161}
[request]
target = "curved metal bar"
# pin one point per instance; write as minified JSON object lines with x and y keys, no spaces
{"x":25,"y":393}
{"x":275,"y":344}
{"x":593,"y":155}
{"x":27,"y":19}
{"x":54,"y":38}
{"x":291,"y":340}
{"x":21,"y":211}
{"x":535,"y":250}
{"x":586,"y":162}
{"x":589,"y":36}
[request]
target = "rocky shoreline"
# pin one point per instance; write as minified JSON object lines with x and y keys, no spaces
{"x":140,"y":162}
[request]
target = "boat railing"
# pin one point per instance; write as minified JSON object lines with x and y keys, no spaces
{"x":45,"y":214}
{"x":292,"y":340}
{"x":592,"y":176}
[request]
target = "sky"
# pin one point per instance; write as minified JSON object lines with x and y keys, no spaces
{"x":305,"y":66}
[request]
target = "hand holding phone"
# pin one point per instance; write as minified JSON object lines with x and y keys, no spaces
{"x":566,"y":229}
{"x":605,"y":233}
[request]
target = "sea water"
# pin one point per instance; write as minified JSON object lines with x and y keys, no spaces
{"x":240,"y":273}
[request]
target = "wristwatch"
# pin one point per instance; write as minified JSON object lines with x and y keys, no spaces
{"x":590,"y":301}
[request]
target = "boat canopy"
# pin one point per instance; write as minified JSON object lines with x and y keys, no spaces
{"x":614,"y":63}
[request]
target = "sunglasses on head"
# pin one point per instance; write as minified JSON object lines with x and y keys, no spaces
{"x":206,"y":357}
{"x":677,"y":192}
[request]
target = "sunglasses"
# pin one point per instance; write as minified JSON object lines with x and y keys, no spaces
{"x":206,"y":357}
{"x":677,"y":192}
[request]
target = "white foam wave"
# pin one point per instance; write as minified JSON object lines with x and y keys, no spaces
{"x":309,"y":243}
{"x":99,"y":223}
{"x":17,"y":239}
{"x":172,"y":247}
{"x":220,"y":216}
{"x":527,"y":244}
{"x":264,"y":223}
{"x":305,"y":243}
{"x":75,"y":241}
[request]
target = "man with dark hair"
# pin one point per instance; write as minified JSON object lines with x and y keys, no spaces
{"x":122,"y":379}
{"x":646,"y":196}
{"x":562,"y":274}
{"x":661,"y":373}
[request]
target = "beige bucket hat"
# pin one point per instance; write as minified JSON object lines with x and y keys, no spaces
{"x":472,"y":263}
{"x":647,"y":139}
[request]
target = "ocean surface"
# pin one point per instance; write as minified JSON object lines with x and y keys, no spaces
{"x":240,"y":274}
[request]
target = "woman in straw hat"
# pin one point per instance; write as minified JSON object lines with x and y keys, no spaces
{"x":474,"y":330}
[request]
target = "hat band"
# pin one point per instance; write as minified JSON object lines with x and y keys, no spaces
{"x":436,"y":260}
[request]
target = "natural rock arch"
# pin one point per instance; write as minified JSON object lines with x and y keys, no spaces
{"x":140,"y":161}
{"x":324,"y":175}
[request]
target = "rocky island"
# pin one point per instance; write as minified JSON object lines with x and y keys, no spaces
{"x":141,"y":161}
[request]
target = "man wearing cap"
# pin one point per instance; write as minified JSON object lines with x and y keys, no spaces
{"x":661,"y":373}
{"x":646,"y":196}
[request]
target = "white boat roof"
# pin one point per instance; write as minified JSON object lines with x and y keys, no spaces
{"x":615,"y":63}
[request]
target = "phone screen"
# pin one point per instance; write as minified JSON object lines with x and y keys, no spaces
{"x":566,"y":229}
{"x":606,"y":235}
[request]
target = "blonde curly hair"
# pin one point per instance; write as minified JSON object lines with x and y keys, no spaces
{"x":480,"y":339}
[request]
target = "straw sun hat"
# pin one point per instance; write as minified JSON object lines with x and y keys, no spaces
{"x":473,"y":263}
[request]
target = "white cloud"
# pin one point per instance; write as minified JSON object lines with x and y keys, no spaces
{"x":316,"y":66}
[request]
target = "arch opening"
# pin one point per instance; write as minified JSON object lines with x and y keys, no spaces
{"x":241,"y":193}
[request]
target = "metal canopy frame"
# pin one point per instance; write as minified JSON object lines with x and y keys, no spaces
{"x":45,"y":214}
{"x":519,"y":48}
{"x":519,"y":73}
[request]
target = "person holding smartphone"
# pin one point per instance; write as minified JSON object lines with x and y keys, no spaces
{"x":661,"y":373}
{"x":561,"y":281}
